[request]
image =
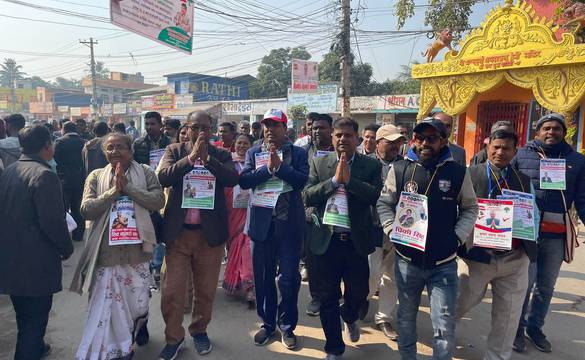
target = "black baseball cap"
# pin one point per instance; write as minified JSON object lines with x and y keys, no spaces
{"x":431,"y":122}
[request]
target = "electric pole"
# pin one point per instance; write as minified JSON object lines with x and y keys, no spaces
{"x":90,"y":44}
{"x":345,"y":63}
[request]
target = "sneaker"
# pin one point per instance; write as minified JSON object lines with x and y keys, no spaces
{"x":539,"y":340}
{"x":388,"y":331}
{"x":353,"y":331}
{"x":363,"y":311}
{"x":289,"y":339}
{"x":202,"y":343}
{"x":519,"y":344}
{"x":313,"y":308}
{"x":170,"y":352}
{"x":46,"y":350}
{"x":142,"y":336}
{"x":332,"y":357}
{"x":262,"y":337}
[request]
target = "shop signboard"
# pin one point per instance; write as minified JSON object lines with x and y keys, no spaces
{"x":323,"y":100}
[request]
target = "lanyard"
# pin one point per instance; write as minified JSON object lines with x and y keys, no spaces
{"x":499,"y":181}
{"x":430,"y":182}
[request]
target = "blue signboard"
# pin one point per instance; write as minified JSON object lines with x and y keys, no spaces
{"x":209,"y":88}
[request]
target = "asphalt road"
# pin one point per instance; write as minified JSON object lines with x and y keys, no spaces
{"x":233,"y":326}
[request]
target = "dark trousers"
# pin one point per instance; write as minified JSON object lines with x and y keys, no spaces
{"x":339,"y":262}
{"x":282,"y":251}
{"x":309,"y":259}
{"x":72,"y":199}
{"x":32,"y":315}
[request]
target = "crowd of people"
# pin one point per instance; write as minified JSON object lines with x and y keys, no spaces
{"x":359,"y":215}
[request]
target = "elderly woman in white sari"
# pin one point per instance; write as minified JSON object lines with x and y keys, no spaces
{"x":114,"y":266}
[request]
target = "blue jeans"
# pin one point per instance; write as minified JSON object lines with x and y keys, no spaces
{"x":542,"y":276}
{"x":441,"y":284}
{"x":158,"y":255}
{"x":281,"y":251}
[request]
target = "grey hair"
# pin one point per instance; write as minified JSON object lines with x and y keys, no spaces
{"x":127,"y":139}
{"x":501,"y":123}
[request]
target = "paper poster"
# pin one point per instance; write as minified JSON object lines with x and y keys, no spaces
{"x":305,"y":75}
{"x":123,"y":230}
{"x":268,"y":199}
{"x":336,"y":209}
{"x":167,"y":22}
{"x":493,"y":226}
{"x":524,"y":223}
{"x":199,"y":189}
{"x":553,"y":174}
{"x":240,"y":197}
{"x":155,"y":156}
{"x":274,"y":184}
{"x":322,"y":153}
{"x":412,"y":221}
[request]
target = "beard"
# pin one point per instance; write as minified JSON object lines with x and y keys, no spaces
{"x":425,"y":153}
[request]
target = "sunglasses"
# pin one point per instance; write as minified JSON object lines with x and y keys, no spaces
{"x":431,"y":139}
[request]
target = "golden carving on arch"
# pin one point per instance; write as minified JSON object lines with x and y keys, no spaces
{"x":510,"y":37}
{"x":559,"y":88}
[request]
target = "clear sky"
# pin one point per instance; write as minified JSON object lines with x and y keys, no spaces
{"x":225,"y":45}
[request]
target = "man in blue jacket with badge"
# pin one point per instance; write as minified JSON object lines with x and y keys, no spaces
{"x":277,"y":171}
{"x":555,"y":242}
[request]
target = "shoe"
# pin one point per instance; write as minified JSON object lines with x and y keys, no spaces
{"x":262,"y":337}
{"x":353,"y":331}
{"x":519,"y":344}
{"x":332,"y":357}
{"x":289,"y":339}
{"x":142,"y":336}
{"x":46,"y":350}
{"x":156,"y":276}
{"x":202,"y":343}
{"x":170,"y":352}
{"x":363,"y":311}
{"x":313,"y":308}
{"x":539,"y":340}
{"x":388,"y":331}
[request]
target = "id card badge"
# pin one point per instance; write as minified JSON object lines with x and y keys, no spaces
{"x":553,"y":174}
{"x":199,"y":189}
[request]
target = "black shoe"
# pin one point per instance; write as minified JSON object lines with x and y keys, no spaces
{"x":202,"y":343}
{"x":519,"y":344}
{"x":388,"y":331}
{"x":170,"y":352}
{"x":313,"y":308}
{"x":539,"y":340}
{"x":289,"y":339}
{"x":46,"y":350}
{"x":142,"y":336}
{"x":363,"y":312}
{"x":262,"y":337}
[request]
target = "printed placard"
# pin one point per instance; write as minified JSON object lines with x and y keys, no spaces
{"x":322,"y":153}
{"x":553,"y":174}
{"x":155,"y":156}
{"x":412,"y":221}
{"x":199,"y":189}
{"x":524,"y":224}
{"x":240,"y":197}
{"x":123,"y":230}
{"x":336,"y":209}
{"x":493,"y":226}
{"x":274,"y":184}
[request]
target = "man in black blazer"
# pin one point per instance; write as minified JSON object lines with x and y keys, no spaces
{"x":34,"y":239}
{"x":341,"y":253}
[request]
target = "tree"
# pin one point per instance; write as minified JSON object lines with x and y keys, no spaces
{"x":440,"y":14}
{"x":274,"y":72}
{"x":37,"y":81}
{"x":101,"y":71}
{"x":360,"y":74}
{"x":67,"y":83}
{"x":10,"y":72}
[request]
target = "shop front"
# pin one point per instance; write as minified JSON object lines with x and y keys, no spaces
{"x":510,"y":68}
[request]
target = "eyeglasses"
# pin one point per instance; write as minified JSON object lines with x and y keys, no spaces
{"x":198,"y":128}
{"x":112,"y":148}
{"x":431,"y":139}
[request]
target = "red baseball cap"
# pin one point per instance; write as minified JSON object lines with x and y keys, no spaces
{"x":275,"y":115}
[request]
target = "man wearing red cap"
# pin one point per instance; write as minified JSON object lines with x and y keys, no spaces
{"x":277,"y":171}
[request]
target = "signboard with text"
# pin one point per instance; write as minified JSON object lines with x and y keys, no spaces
{"x":305,"y":75}
{"x":167,"y":22}
{"x":324,"y":100}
